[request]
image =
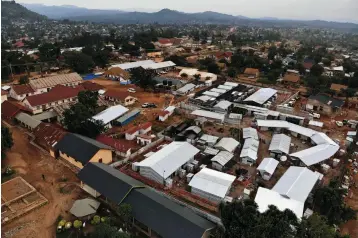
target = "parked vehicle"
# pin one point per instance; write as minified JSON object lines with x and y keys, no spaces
{"x":339,"y":123}
{"x":149,"y":105}
{"x":131,"y":90}
{"x":316,"y":115}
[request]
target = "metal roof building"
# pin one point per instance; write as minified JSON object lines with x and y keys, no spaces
{"x":249,"y":150}
{"x":250,"y":132}
{"x":210,"y":115}
{"x":224,"y":105}
{"x":231,"y":84}
{"x":296,"y":183}
{"x":212,"y":94}
{"x":160,"y":65}
{"x":268,"y":165}
{"x":131,"y":65}
{"x":166,"y":161}
{"x":209,"y":139}
{"x":84,"y":207}
{"x":52,"y":81}
{"x":261,"y":95}
{"x":220,"y":160}
{"x":280,"y":143}
{"x":210,"y":184}
{"x":315,"y":154}
{"x":186,"y":88}
{"x":27,"y":120}
{"x":266,"y":197}
{"x":228,"y":144}
{"x":110,"y":114}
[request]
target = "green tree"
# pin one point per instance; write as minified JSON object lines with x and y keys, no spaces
{"x":6,"y":141}
{"x":328,"y":201}
{"x":105,"y":230}
{"x":79,"y":62}
{"x":197,"y":77}
{"x":24,"y":79}
{"x":315,"y":227}
{"x":144,"y":77}
{"x":89,"y":99}
{"x":316,"y":70}
{"x":231,"y":72}
{"x":124,"y":211}
{"x":213,"y":68}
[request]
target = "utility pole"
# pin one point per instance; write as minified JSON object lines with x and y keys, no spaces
{"x":12,"y":75}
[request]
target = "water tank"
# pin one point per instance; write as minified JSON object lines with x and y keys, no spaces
{"x":135,"y":166}
{"x":283,"y":158}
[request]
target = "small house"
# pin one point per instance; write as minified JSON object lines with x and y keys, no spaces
{"x":267,"y":167}
{"x":221,"y":161}
{"x":121,"y":97}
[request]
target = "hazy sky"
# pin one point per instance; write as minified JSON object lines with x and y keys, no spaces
{"x":338,"y":10}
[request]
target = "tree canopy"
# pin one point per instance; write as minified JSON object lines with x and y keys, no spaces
{"x":105,"y":230}
{"x":77,"y":118}
{"x":144,"y":77}
{"x":6,"y":140}
{"x":78,"y":61}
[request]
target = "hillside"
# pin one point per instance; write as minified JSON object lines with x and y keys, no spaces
{"x":10,"y":11}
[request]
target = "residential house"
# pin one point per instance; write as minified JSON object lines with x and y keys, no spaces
{"x":142,"y":129}
{"x":79,"y":150}
{"x":56,"y":96}
{"x":222,"y":160}
{"x":153,"y":213}
{"x":120,"y":147}
{"x":324,"y":104}
{"x":338,"y":88}
{"x":251,"y":73}
{"x":223,"y":55}
{"x":249,"y":151}
{"x":163,"y":42}
{"x":154,"y":54}
{"x":124,"y":98}
{"x":163,"y":115}
{"x":10,"y":109}
{"x":227,"y":143}
{"x":116,"y":73}
{"x":110,"y":115}
{"x":291,"y":78}
{"x":280,"y":145}
{"x":21,"y":91}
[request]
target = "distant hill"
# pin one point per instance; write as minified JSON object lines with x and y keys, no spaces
{"x":167,"y":16}
{"x":12,"y":11}
{"x":66,"y":11}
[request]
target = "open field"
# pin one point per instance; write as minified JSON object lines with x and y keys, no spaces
{"x":31,"y":163}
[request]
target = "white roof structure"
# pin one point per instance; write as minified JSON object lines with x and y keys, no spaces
{"x":316,"y":154}
{"x":250,"y":149}
{"x":212,"y":182}
{"x":222,"y":158}
{"x":236,"y":116}
{"x":315,"y":123}
{"x":84,"y":207}
{"x":324,"y":149}
{"x":211,"y":94}
{"x":170,"y":109}
{"x":160,"y":65}
{"x":110,"y":114}
{"x":170,"y":158}
{"x":188,"y":71}
{"x":296,"y":183}
{"x":351,"y":133}
{"x":223,"y":104}
{"x":218,"y":90}
{"x":186,"y":88}
{"x":211,"y":151}
{"x":209,"y":138}
{"x":280,"y":142}
{"x":231,"y":84}
{"x":250,"y":132}
{"x":208,"y":114}
{"x":204,"y":98}
{"x":268,"y":165}
{"x":131,"y":65}
{"x":261,"y":95}
{"x":226,"y":87}
{"x":338,"y":68}
{"x":266,"y":197}
{"x":228,"y":143}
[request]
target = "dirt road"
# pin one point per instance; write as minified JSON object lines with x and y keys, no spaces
{"x":31,"y":163}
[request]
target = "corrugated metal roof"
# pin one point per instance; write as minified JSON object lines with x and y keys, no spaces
{"x":160,"y":65}
{"x":186,"y":88}
{"x":273,"y":123}
{"x":212,"y":182}
{"x":212,"y":94}
{"x":195,"y":129}
{"x":218,"y":90}
{"x":227,"y":87}
{"x":250,"y":132}
{"x":208,"y":114}
{"x":296,"y":183}
{"x":128,"y":115}
{"x":110,"y":114}
{"x":170,"y":158}
{"x":209,"y":138}
{"x":250,"y":149}
{"x":55,"y":80}
{"x":45,"y":115}
{"x":280,"y":142}
{"x":316,"y":154}
{"x":222,"y":158}
{"x":265,"y":197}
{"x":261,"y":95}
{"x":231,"y":84}
{"x":131,"y":65}
{"x":27,"y":120}
{"x":84,"y":207}
{"x":228,"y":144}
{"x":211,"y":151}
{"x":315,"y":123}
{"x":223,"y":104}
{"x":268,"y":165}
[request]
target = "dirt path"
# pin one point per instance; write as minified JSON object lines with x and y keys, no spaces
{"x":30,"y":163}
